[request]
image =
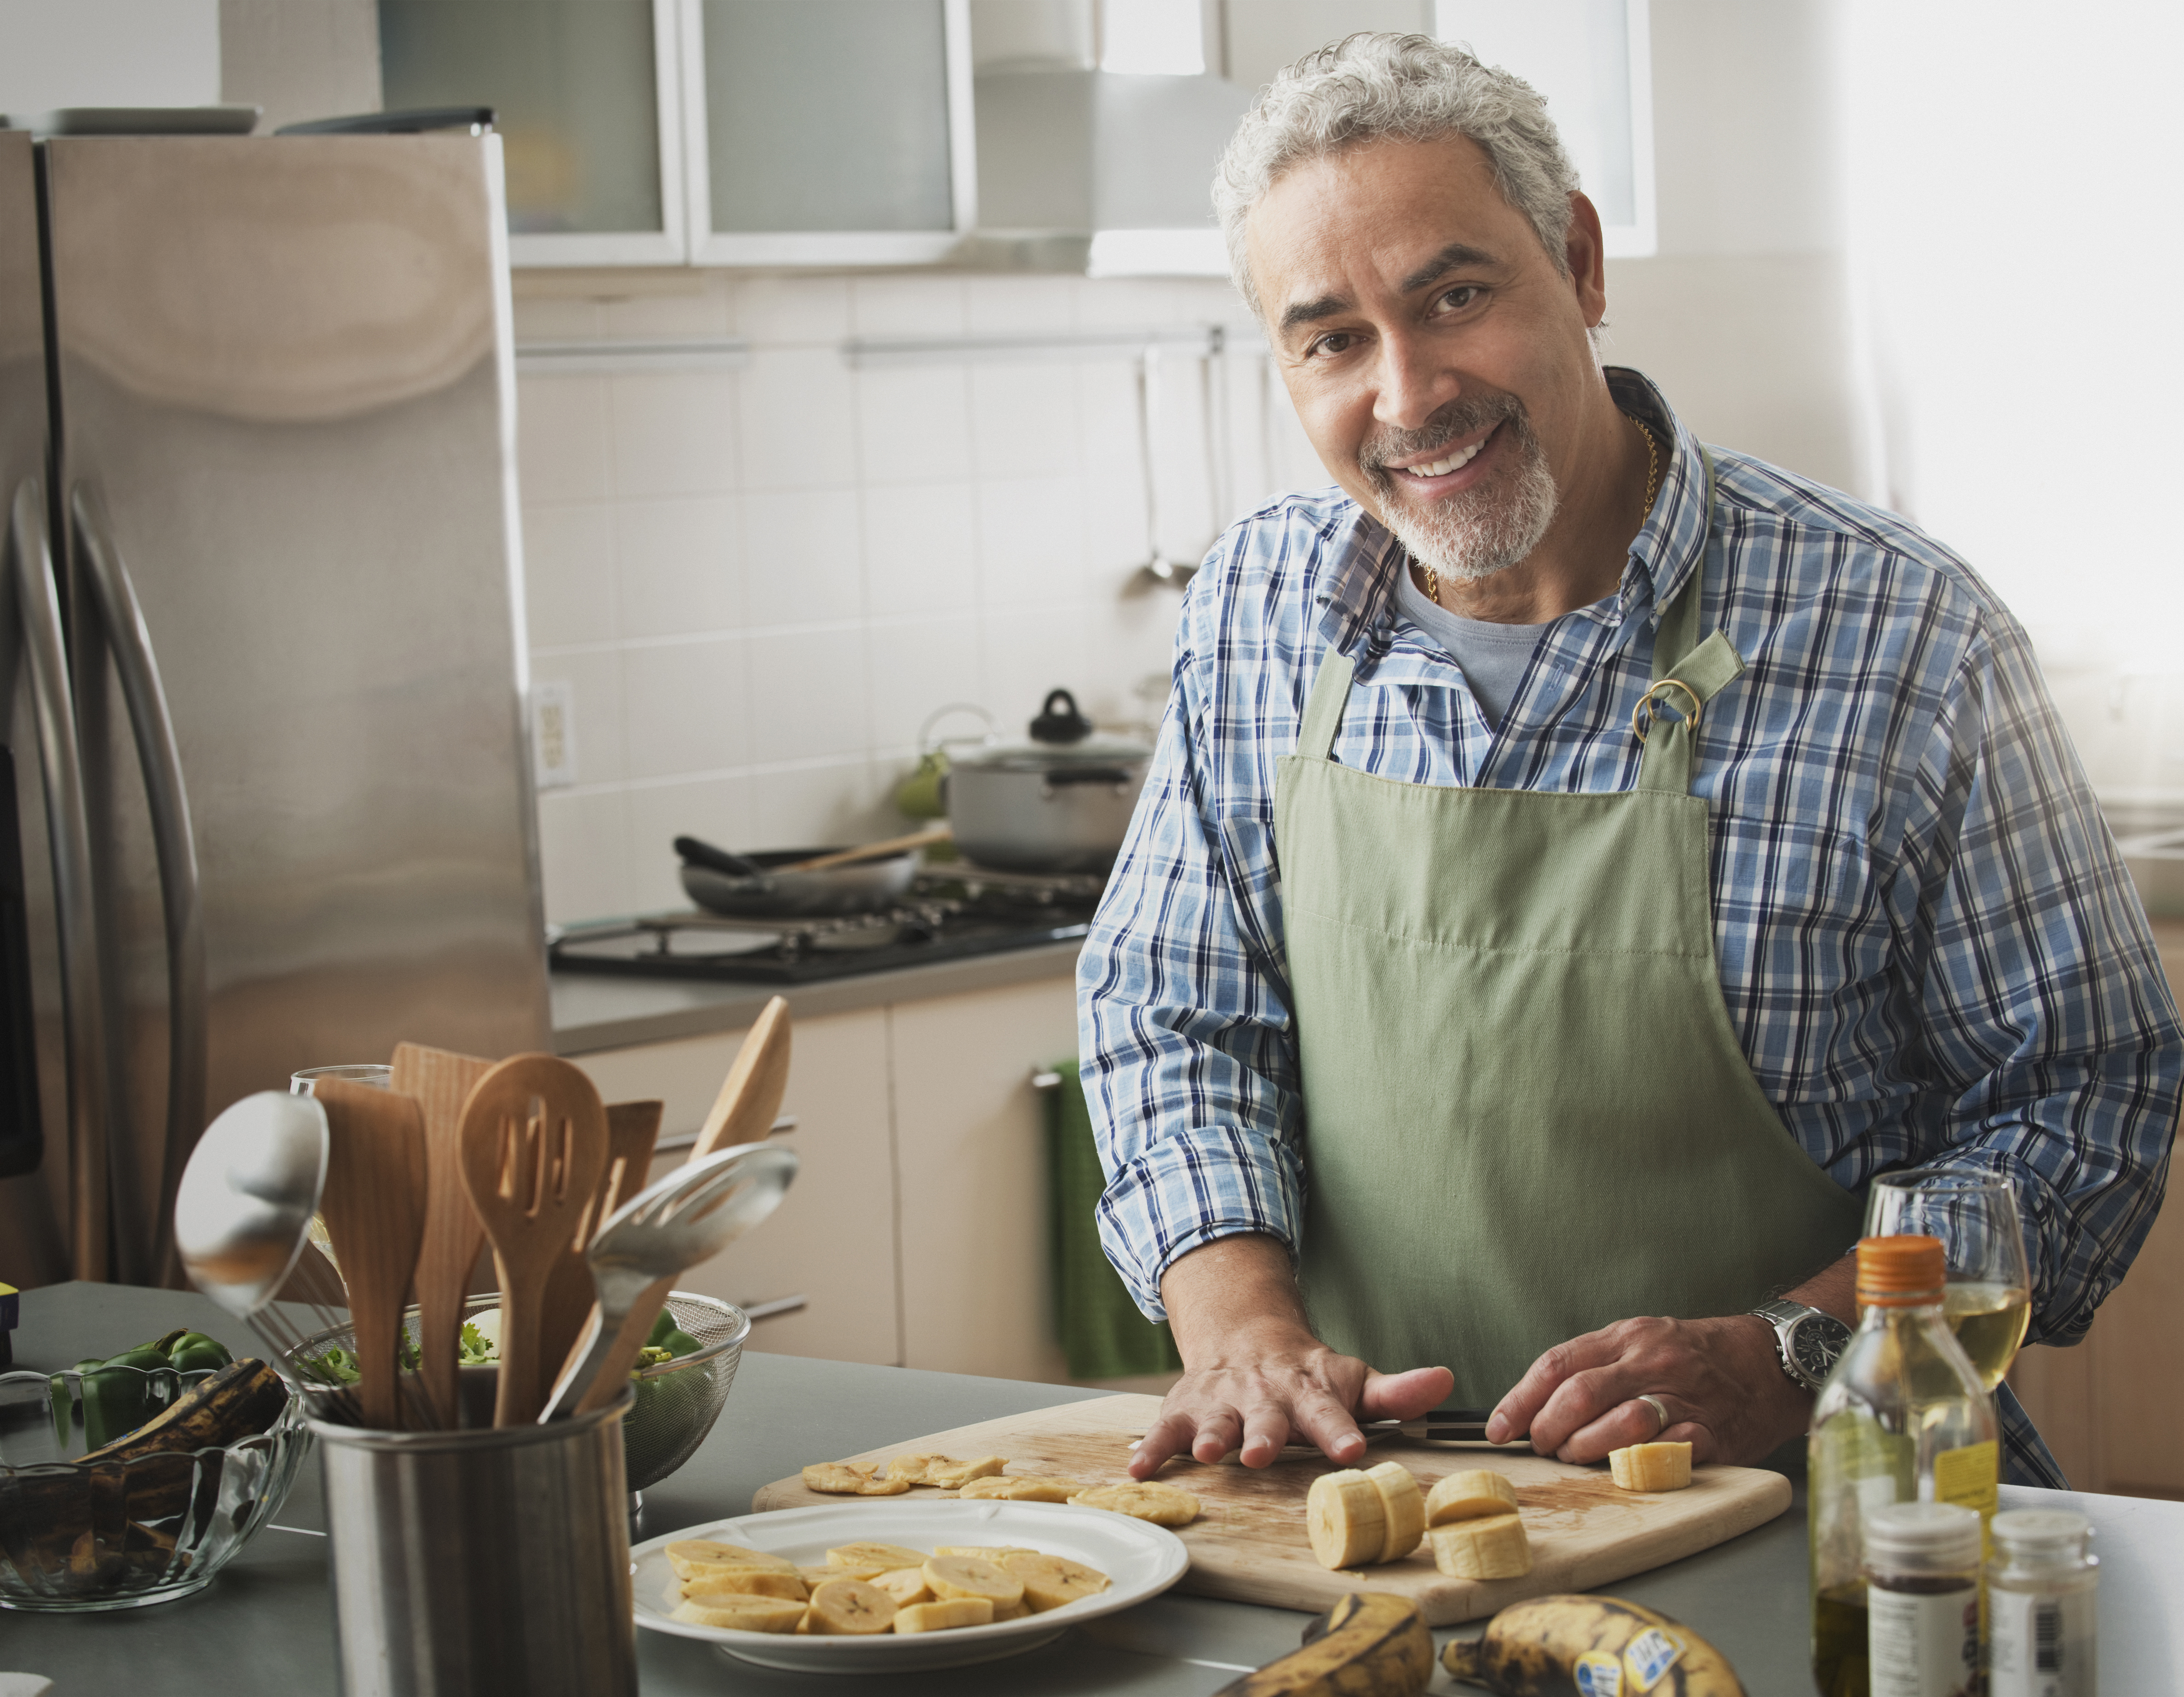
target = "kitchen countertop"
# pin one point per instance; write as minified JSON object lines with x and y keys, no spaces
{"x":594,"y":1011}
{"x":264,"y":1627}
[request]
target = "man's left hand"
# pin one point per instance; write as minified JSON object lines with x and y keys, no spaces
{"x":1719,"y":1380}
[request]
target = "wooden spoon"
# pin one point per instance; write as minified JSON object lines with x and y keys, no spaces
{"x":632,"y":1129}
{"x":534,"y":1144}
{"x":442,"y":1082}
{"x":374,"y":1204}
{"x":751,"y":1096}
{"x":941,"y":832}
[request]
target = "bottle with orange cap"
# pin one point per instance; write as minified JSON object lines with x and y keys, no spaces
{"x":1903,"y":1417}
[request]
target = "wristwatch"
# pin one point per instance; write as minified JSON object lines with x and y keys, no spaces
{"x":1806,"y":1340}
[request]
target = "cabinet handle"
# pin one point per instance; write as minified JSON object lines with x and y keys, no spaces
{"x":768,"y":1311}
{"x":1043,"y":1079}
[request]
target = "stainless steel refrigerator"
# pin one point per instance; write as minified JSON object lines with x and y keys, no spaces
{"x":260,"y":650}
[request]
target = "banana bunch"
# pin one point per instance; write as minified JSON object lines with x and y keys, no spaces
{"x":1372,"y":1644}
{"x":1551,"y":1646}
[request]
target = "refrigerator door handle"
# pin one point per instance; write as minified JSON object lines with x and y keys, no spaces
{"x":68,"y":830}
{"x":175,"y":845}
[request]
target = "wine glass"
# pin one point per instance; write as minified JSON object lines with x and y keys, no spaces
{"x":1988,"y":1300}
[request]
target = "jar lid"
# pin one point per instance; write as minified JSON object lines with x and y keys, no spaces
{"x":2041,"y":1529}
{"x":1894,"y":1273}
{"x":1933,"y":1535}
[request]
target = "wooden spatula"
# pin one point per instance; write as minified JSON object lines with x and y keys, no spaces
{"x":751,"y":1094}
{"x":442,"y":1082}
{"x":374,"y":1207}
{"x":534,"y":1144}
{"x":632,"y":1129}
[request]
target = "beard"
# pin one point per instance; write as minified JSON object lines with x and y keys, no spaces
{"x":1475,"y":532}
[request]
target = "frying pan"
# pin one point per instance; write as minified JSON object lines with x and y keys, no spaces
{"x":717,"y":882}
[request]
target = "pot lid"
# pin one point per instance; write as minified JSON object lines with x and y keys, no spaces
{"x":1061,"y":736}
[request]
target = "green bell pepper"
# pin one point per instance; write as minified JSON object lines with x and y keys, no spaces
{"x":121,"y":1393}
{"x":195,"y":1352}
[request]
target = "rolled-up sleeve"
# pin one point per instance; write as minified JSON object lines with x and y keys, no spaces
{"x":2045,"y":1013}
{"x":1187,"y":1058}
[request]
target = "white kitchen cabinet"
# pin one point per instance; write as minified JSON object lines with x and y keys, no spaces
{"x":833,"y":1239}
{"x":708,"y":133}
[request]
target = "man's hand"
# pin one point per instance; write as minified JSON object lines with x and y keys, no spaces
{"x":1254,"y":1375}
{"x":1719,"y":1379}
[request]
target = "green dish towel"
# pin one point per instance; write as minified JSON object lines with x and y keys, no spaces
{"x":1102,"y":1333}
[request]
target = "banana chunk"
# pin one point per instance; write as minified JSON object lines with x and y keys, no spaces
{"x":985,"y":1552}
{"x":1492,"y":1547}
{"x":1403,"y":1510}
{"x":1345,"y":1520}
{"x":1022,"y":1490}
{"x":743,"y":1614}
{"x":944,"y":1615}
{"x":1161,"y":1504}
{"x":690,"y":1556}
{"x":1651,"y":1466}
{"x":912,"y":1468}
{"x":948,"y":1474}
{"x":906,"y":1585}
{"x":1470,"y":1495}
{"x":744,"y":1582}
{"x":841,"y":1479}
{"x":1052,"y":1581}
{"x":881,"y":1557}
{"x":850,"y":1608}
{"x":966,"y":1576}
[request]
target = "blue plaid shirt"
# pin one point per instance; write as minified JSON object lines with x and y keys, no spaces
{"x":1929,"y":947}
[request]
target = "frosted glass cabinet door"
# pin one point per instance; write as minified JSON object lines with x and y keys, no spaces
{"x":827,"y":131}
{"x":586,"y":100}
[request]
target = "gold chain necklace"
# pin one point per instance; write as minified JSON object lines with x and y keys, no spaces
{"x":1645,"y":507}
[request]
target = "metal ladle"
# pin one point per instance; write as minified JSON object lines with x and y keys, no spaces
{"x":651,"y":1241}
{"x":243,"y":1214}
{"x":1158,"y":567}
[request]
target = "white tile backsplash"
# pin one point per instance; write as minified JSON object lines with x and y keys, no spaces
{"x":760,"y":582}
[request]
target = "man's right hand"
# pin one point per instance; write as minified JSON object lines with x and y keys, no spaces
{"x":1254,"y":1375}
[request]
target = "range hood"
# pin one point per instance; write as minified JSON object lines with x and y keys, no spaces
{"x":1101,"y":172}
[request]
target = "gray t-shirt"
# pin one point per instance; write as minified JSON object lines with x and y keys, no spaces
{"x":1493,"y":657}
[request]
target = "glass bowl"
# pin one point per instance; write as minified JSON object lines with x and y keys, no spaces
{"x":677,"y":1401}
{"x":124,"y":1534}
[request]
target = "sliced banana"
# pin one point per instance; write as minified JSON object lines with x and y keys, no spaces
{"x":906,"y":1585}
{"x":746,"y":1581}
{"x":966,"y":1576}
{"x":850,"y":1608}
{"x":985,"y":1552}
{"x":1011,"y":1611}
{"x":1492,"y":1547}
{"x":840,"y":1479}
{"x":1651,"y":1466}
{"x":691,"y":1555}
{"x":743,"y":1614}
{"x":884,"y":1557}
{"x":1403,"y":1510}
{"x":948,"y":1474}
{"x":1022,"y":1490}
{"x":912,"y":1468}
{"x":1052,"y":1581}
{"x":1161,"y":1504}
{"x":1470,"y":1495}
{"x":943,"y":1615}
{"x":1343,"y":1518}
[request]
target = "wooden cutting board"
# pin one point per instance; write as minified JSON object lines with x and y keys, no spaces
{"x":1249,"y":1545}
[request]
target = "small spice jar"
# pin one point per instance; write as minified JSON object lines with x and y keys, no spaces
{"x":1922,"y":1573}
{"x":2040,"y":1604}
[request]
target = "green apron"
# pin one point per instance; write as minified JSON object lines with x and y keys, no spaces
{"x":1526,"y":1114}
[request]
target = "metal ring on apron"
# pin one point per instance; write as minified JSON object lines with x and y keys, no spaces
{"x":1641,"y":716}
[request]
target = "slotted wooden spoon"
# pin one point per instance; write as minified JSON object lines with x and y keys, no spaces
{"x":442,"y":1082}
{"x":373,"y":1206}
{"x":632,"y":1127}
{"x":751,"y":1096}
{"x":534,"y":1145}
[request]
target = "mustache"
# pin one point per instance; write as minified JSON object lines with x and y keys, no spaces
{"x":1459,"y":418}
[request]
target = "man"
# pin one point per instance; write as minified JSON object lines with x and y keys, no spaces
{"x":1574,"y":863}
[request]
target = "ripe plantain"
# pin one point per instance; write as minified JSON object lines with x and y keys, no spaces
{"x":1651,"y":1466}
{"x":1372,"y":1644}
{"x":1532,"y":1650}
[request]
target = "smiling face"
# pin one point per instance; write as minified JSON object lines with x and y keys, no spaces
{"x":1437,"y":356}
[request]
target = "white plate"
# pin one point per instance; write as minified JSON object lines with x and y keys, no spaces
{"x":1141,"y":1561}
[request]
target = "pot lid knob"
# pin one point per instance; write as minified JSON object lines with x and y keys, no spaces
{"x":1063,"y":723}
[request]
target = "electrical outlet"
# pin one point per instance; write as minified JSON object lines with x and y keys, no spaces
{"x":554,"y":733}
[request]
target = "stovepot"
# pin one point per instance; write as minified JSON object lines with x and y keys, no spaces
{"x":1060,"y":803}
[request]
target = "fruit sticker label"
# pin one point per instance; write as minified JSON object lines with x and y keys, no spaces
{"x":1650,"y":1655}
{"x":1598,"y":1674}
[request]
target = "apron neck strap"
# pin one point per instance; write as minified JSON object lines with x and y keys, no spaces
{"x":1687,"y":674}
{"x":1322,"y":708}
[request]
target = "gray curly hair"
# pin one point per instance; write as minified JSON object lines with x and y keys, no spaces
{"x":1368,"y":88}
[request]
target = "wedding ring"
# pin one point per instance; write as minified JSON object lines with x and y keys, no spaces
{"x":1660,"y":1412}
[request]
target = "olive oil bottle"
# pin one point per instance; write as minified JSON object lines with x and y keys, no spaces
{"x":1904,"y":1417}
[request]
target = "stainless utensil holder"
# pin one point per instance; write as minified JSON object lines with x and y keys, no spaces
{"x":485,"y":1561}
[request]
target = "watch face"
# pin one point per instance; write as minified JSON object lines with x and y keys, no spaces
{"x":1815,"y":1341}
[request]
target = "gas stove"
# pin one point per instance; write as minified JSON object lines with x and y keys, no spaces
{"x":951,"y":911}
